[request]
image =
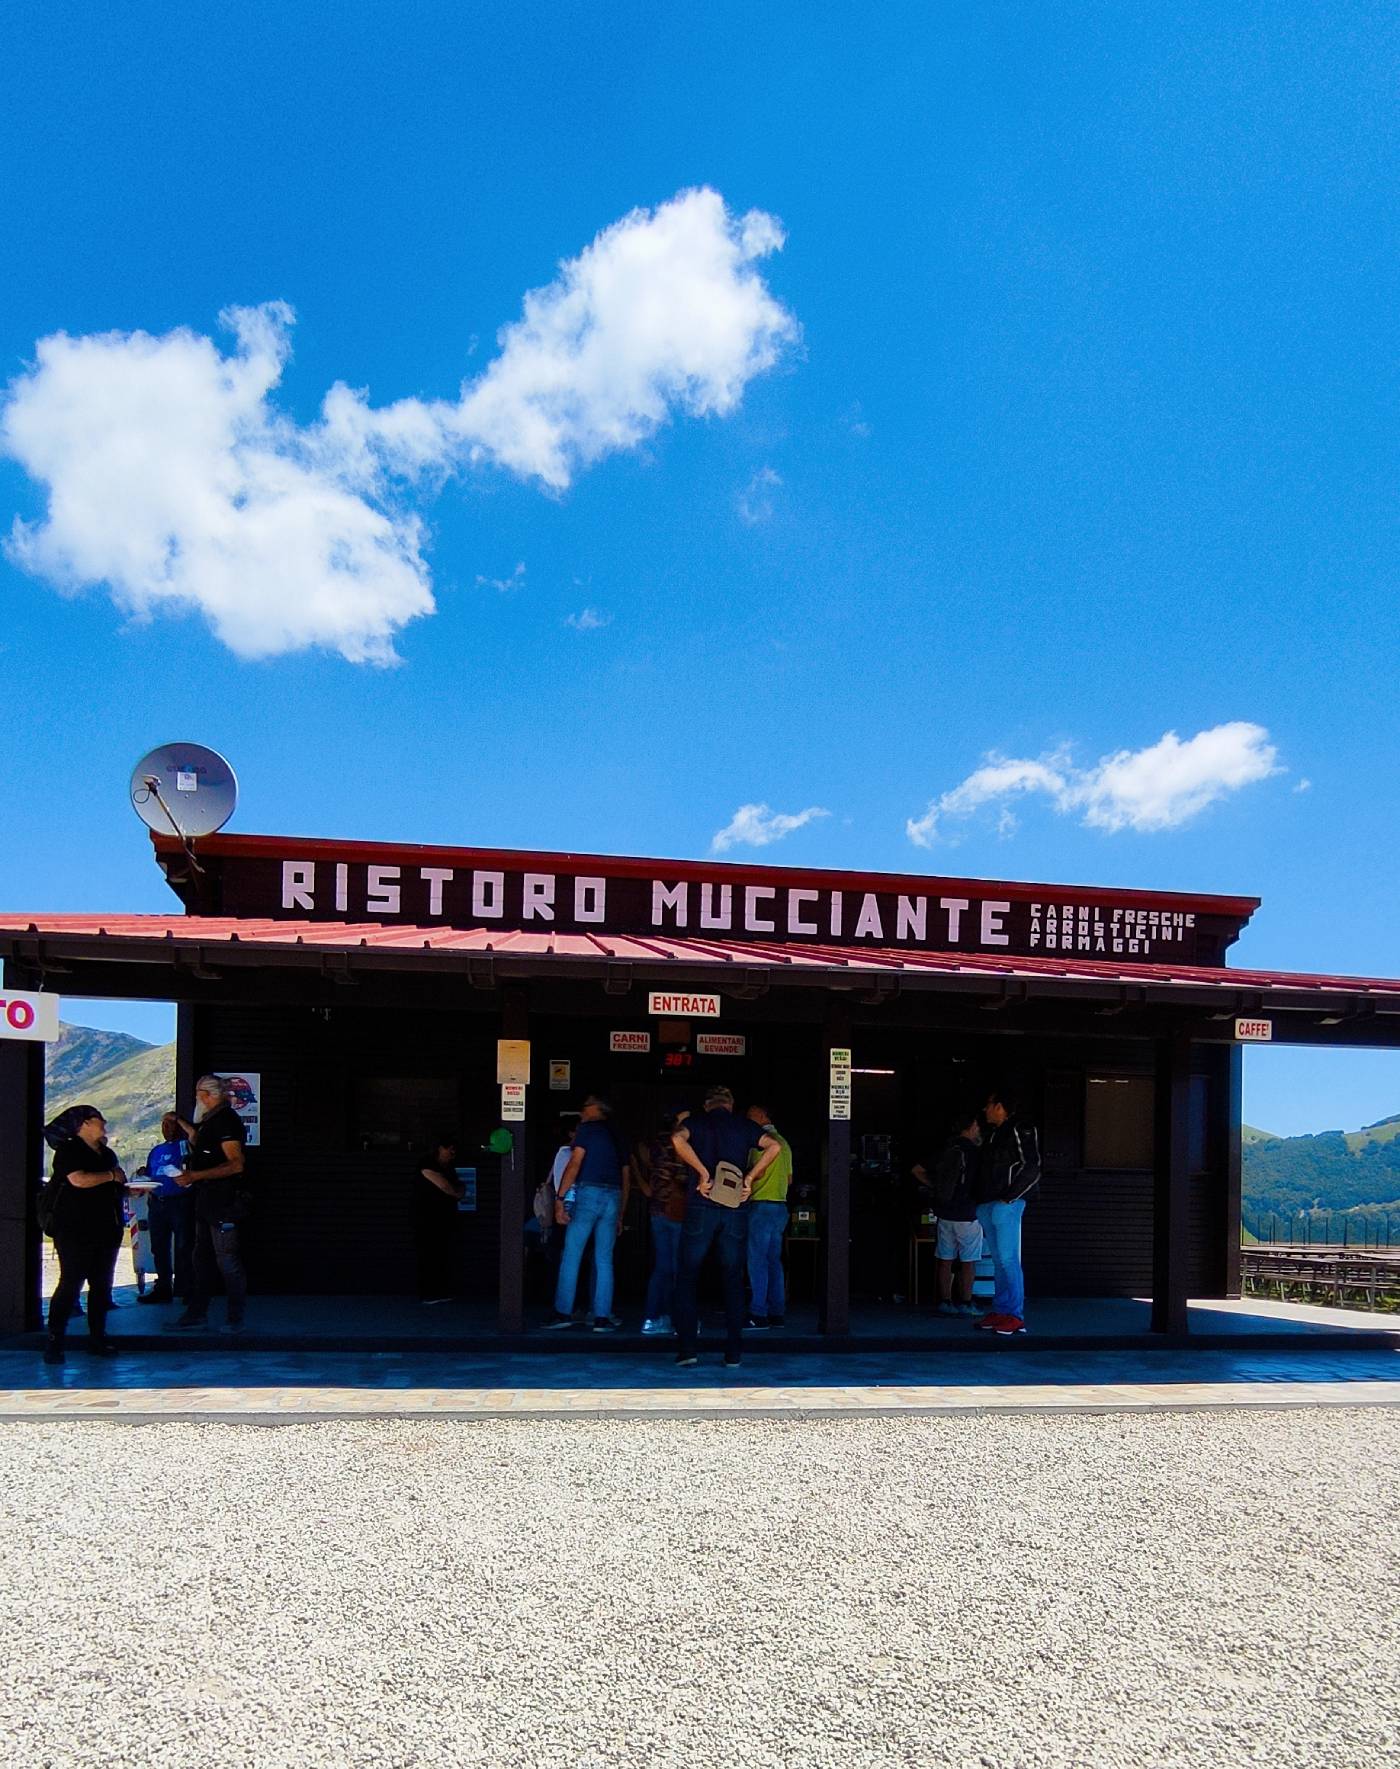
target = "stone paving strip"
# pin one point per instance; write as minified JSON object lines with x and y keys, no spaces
{"x":304,"y":1404}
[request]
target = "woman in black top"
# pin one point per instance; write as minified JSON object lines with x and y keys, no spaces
{"x":438,"y":1190}
{"x":87,"y":1225}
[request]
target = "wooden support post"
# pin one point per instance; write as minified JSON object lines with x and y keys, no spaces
{"x":834,"y":1292}
{"x":1171,"y":1186}
{"x":510,"y":1308}
{"x":21,"y":1169}
{"x":185,"y":1072}
{"x":1234,"y":1177}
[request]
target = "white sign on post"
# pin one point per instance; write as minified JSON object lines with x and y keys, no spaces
{"x":512,"y":1102}
{"x":1254,"y":1031}
{"x":839,"y":1099}
{"x":28,"y":1017}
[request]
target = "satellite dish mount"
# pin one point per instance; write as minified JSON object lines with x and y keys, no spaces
{"x":184,"y":790}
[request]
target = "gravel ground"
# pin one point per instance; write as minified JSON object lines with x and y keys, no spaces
{"x":1184,"y":1589}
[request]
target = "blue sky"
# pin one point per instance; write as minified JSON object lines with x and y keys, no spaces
{"x":1061,"y":419}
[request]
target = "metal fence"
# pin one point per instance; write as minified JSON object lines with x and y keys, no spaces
{"x":1324,"y":1228}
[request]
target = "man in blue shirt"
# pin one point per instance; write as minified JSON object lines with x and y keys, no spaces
{"x":592,"y":1200}
{"x":703,"y":1143}
{"x":171,"y":1215}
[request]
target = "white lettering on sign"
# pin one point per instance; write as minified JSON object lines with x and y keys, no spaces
{"x":993,"y":916}
{"x":32,"y":1019}
{"x":761,"y":907}
{"x":692,"y":1007}
{"x":676,"y":898}
{"x":435,"y":877}
{"x":754,"y":923}
{"x":590,"y":899}
{"x":298,"y":883}
{"x":1254,"y":1031}
{"x":489,"y":895}
{"x":710,"y":916}
{"x":630,"y":1043}
{"x":720,"y":1044}
{"x":384,"y":895}
{"x":539,"y":896}
{"x":868,"y":924}
{"x":796,"y":900}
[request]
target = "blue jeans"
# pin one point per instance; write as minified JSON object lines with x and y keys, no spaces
{"x":705,"y":1224}
{"x":171,"y":1224}
{"x":596,"y":1210}
{"x":1001,"y":1224}
{"x":665,"y":1258}
{"x":767,"y":1222}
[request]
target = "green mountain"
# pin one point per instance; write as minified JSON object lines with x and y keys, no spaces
{"x":79,"y":1052}
{"x":132,"y":1084}
{"x":1356,"y":1171}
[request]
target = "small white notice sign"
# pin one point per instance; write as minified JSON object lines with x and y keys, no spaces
{"x":720,"y":1044}
{"x":839,"y":1095}
{"x":629,"y":1043}
{"x":512,"y":1101}
{"x":667,"y":1002}
{"x":33,"y":1018}
{"x":1254,"y":1031}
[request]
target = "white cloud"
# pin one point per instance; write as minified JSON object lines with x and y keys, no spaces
{"x":1160,"y":787}
{"x":755,"y":501}
{"x":587,"y":620}
{"x":755,"y":826}
{"x":173,"y":477}
{"x":515,"y":581}
{"x":1303,"y":786}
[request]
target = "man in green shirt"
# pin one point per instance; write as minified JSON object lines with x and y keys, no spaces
{"x":768,"y":1215}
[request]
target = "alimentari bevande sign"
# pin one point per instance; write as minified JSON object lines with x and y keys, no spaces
{"x":730,"y":907}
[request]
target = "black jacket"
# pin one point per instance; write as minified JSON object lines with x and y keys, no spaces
{"x":1010,"y":1162}
{"x":954,"y":1186}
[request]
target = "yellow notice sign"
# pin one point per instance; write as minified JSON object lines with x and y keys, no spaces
{"x":512,"y":1061}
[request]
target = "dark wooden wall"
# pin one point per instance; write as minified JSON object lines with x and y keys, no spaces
{"x":335,"y":1217}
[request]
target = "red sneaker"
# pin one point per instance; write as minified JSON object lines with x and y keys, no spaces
{"x":1008,"y":1326}
{"x":990,"y":1322}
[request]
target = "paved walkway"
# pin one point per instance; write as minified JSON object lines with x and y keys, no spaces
{"x":298,"y":1387}
{"x":1087,"y":1323}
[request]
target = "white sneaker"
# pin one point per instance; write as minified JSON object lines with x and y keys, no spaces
{"x":653,"y":1329}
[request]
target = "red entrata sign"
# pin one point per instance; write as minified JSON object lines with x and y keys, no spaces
{"x":269,"y":876}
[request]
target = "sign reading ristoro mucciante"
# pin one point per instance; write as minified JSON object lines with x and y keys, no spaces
{"x":266,"y":876}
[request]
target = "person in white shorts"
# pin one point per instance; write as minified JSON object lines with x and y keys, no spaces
{"x":954,"y":1190}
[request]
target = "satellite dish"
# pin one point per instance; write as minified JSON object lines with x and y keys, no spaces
{"x":184,"y":790}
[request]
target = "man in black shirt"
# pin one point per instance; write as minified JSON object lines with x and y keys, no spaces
{"x":214,"y":1168}
{"x":1010,"y":1172}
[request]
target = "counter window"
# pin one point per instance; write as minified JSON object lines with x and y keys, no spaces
{"x":1118,"y":1121}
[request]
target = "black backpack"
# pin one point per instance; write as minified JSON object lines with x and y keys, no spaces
{"x":50,"y":1196}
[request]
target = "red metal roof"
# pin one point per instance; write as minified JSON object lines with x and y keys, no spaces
{"x":368,"y":936}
